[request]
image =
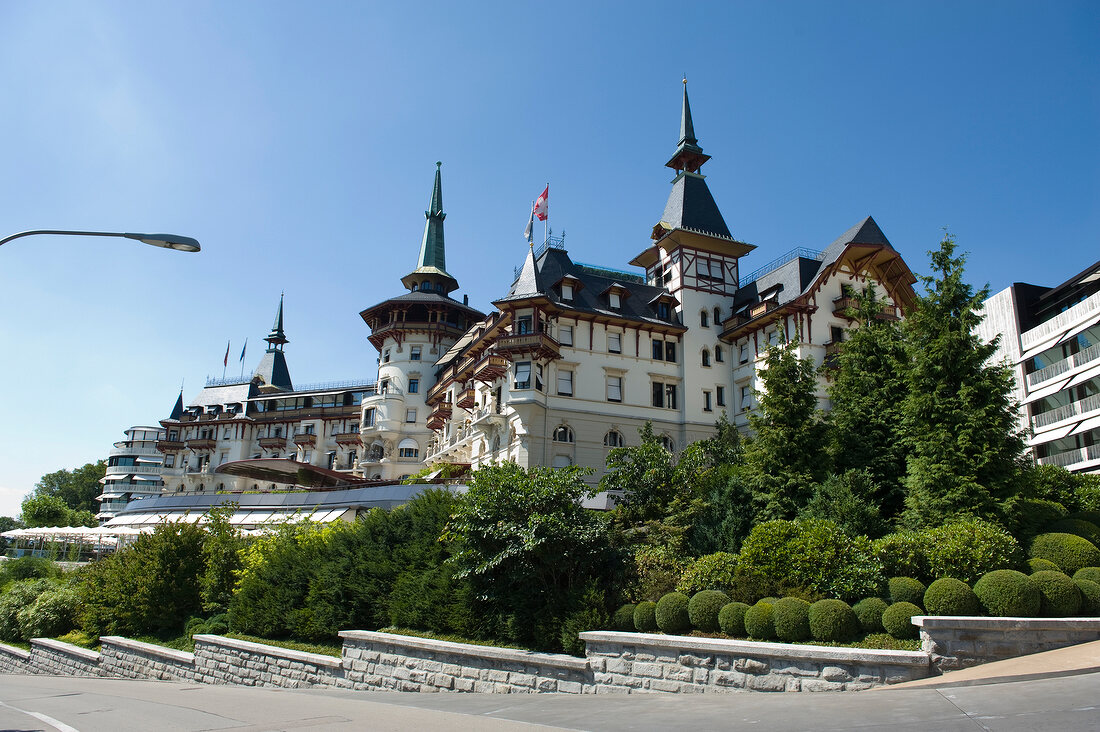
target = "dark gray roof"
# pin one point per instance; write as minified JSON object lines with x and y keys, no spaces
{"x":177,"y":411}
{"x":211,"y":395}
{"x":554,"y":264}
{"x":691,"y":206}
{"x":428,"y":298}
{"x":273,"y":369}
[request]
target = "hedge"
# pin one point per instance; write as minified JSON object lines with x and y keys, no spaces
{"x":759,"y":622}
{"x":869,"y":612}
{"x":1059,"y":596}
{"x":1068,"y":551}
{"x":645,"y":617}
{"x":716,"y":571}
{"x":949,"y":596}
{"x":906,"y":589}
{"x":731,"y":619}
{"x":672,"y":613}
{"x":1008,"y":593}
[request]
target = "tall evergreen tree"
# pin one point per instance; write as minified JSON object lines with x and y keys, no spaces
{"x":786,"y":455}
{"x":959,"y":417}
{"x":867,"y":388}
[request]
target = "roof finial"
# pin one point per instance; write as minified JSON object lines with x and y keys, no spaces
{"x":688,"y":156}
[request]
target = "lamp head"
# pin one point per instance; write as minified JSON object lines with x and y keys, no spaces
{"x":168,"y":241}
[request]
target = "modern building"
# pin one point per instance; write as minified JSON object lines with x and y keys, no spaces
{"x":1051,"y":338}
{"x":134,"y":468}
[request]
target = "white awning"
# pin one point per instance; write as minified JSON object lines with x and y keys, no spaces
{"x":106,"y":496}
{"x":1086,"y":425}
{"x":1051,"y":340}
{"x":1052,"y":435}
{"x":150,"y":478}
{"x":1051,"y":388}
{"x":1089,"y":373}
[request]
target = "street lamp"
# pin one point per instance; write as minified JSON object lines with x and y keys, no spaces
{"x":167,"y":241}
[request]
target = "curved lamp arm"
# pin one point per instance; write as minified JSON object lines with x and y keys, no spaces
{"x":167,"y":241}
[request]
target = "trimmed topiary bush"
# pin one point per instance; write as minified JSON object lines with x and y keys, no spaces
{"x":1008,"y":593}
{"x":1068,"y":551}
{"x":759,"y":622}
{"x":1059,"y":595}
{"x":967,"y":547}
{"x":903,"y":554}
{"x":1026,"y":517}
{"x":1090,"y":596}
{"x":1093,"y":517}
{"x":716,"y":571}
{"x":1078,"y":527}
{"x":833,"y":620}
{"x":897,"y":619}
{"x":1092,"y":574}
{"x":623,"y":619}
{"x":906,"y":589}
{"x":645,"y":617}
{"x":949,"y":596}
{"x":731,"y":619}
{"x":1042,"y":565}
{"x":672,"y":613}
{"x":869,"y":612}
{"x":791,"y":617}
{"x":704,"y":607}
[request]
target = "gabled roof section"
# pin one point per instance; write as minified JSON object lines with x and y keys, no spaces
{"x":691,"y":206}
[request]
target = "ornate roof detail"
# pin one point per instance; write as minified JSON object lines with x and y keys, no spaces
{"x":431,"y":267}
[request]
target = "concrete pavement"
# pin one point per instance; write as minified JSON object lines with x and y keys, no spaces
{"x":65,"y":704}
{"x":1069,"y":661}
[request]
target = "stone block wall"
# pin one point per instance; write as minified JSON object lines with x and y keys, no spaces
{"x":403,"y":663}
{"x":641,"y":662}
{"x":14,"y":660}
{"x":131,"y":659}
{"x":954,"y":642}
{"x":219,"y":660}
{"x":62,"y":659}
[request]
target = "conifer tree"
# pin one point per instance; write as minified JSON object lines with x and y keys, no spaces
{"x":786,"y":456}
{"x":959,"y":417}
{"x":867,"y":388}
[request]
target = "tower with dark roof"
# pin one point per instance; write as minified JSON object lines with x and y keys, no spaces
{"x":431,"y":273}
{"x":273,"y":369}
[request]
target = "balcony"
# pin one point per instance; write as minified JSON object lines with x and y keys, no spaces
{"x":490,"y":368}
{"x":307,"y":439}
{"x":146,"y":469}
{"x":347,"y":438}
{"x":1081,"y":358}
{"x":170,"y":445}
{"x":439,"y":416}
{"x":272,"y":443}
{"x":451,"y":447}
{"x":467,"y":399}
{"x":538,"y":345}
{"x":491,"y":415}
{"x":762,"y":308}
{"x":135,"y":451}
{"x":202,"y":443}
{"x":1072,"y":457}
{"x":1073,"y":409}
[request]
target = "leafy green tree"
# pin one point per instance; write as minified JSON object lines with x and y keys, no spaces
{"x":786,"y":456}
{"x":726,"y":515}
{"x":959,"y":417}
{"x":78,"y":488}
{"x":847,"y":500}
{"x":867,"y":388}
{"x":221,"y":552}
{"x":7,"y":523}
{"x":529,"y":548}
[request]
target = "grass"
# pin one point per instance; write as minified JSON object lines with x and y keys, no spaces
{"x":321,"y":649}
{"x":451,"y":638}
{"x":80,"y":638}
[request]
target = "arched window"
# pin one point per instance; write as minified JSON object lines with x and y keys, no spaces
{"x":613,"y":438}
{"x":706,"y":357}
{"x":703,"y":319}
{"x":666,"y":442}
{"x":563,"y":434}
{"x":255,"y":487}
{"x":408,"y":448}
{"x":718,"y":354}
{"x":202,"y":487}
{"x":221,"y":486}
{"x":717,"y":316}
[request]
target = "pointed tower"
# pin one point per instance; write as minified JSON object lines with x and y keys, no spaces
{"x":273,"y":369}
{"x":431,"y":273}
{"x":177,"y":411}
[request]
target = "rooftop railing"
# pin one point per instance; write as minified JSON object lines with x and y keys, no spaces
{"x":779,"y":262}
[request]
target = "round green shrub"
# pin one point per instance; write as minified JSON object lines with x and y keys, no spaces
{"x":869,"y":612}
{"x":1068,"y":551}
{"x":51,"y":614}
{"x":1092,"y":574}
{"x":645,"y":617}
{"x":906,"y":589}
{"x":716,"y":571}
{"x":731,"y":619}
{"x":903,"y":554}
{"x":704,"y":607}
{"x":1090,"y":596}
{"x":759,"y":621}
{"x":967,"y":547}
{"x":1041,"y":565}
{"x":770,"y":600}
{"x":1093,"y":517}
{"x":672,"y":613}
{"x":897,"y":619}
{"x":1077,"y":527}
{"x":791,"y":616}
{"x":1008,"y":593}
{"x":623,"y":619}
{"x":833,"y":620}
{"x":949,"y":596}
{"x":1026,"y":517}
{"x":813,"y":554}
{"x":1059,"y":596}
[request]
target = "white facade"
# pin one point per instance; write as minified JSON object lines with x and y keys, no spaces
{"x":134,"y":468}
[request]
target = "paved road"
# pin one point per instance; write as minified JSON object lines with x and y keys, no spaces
{"x":63,"y":704}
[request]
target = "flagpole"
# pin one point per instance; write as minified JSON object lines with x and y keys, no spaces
{"x":545,"y":233}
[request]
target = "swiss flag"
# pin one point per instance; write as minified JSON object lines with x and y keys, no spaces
{"x":542,"y":205}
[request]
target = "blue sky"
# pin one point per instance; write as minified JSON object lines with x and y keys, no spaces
{"x":297,"y":142}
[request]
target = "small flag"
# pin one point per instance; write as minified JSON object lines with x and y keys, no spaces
{"x":244,"y":349}
{"x":542,"y":205}
{"x":528,"y":233}
{"x":225,"y":361}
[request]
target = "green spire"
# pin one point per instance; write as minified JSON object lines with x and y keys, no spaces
{"x":689,"y":156}
{"x":277,"y":337}
{"x":432,"y":264}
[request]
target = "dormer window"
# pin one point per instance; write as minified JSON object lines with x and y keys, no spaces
{"x":614,"y":301}
{"x":664,"y":311}
{"x":566,"y":291}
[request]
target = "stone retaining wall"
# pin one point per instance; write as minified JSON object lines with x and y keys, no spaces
{"x":14,"y":660}
{"x":954,"y":642}
{"x":219,"y":660}
{"x":62,"y":659}
{"x":639,"y":662}
{"x":131,"y":659}
{"x":404,"y":663}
